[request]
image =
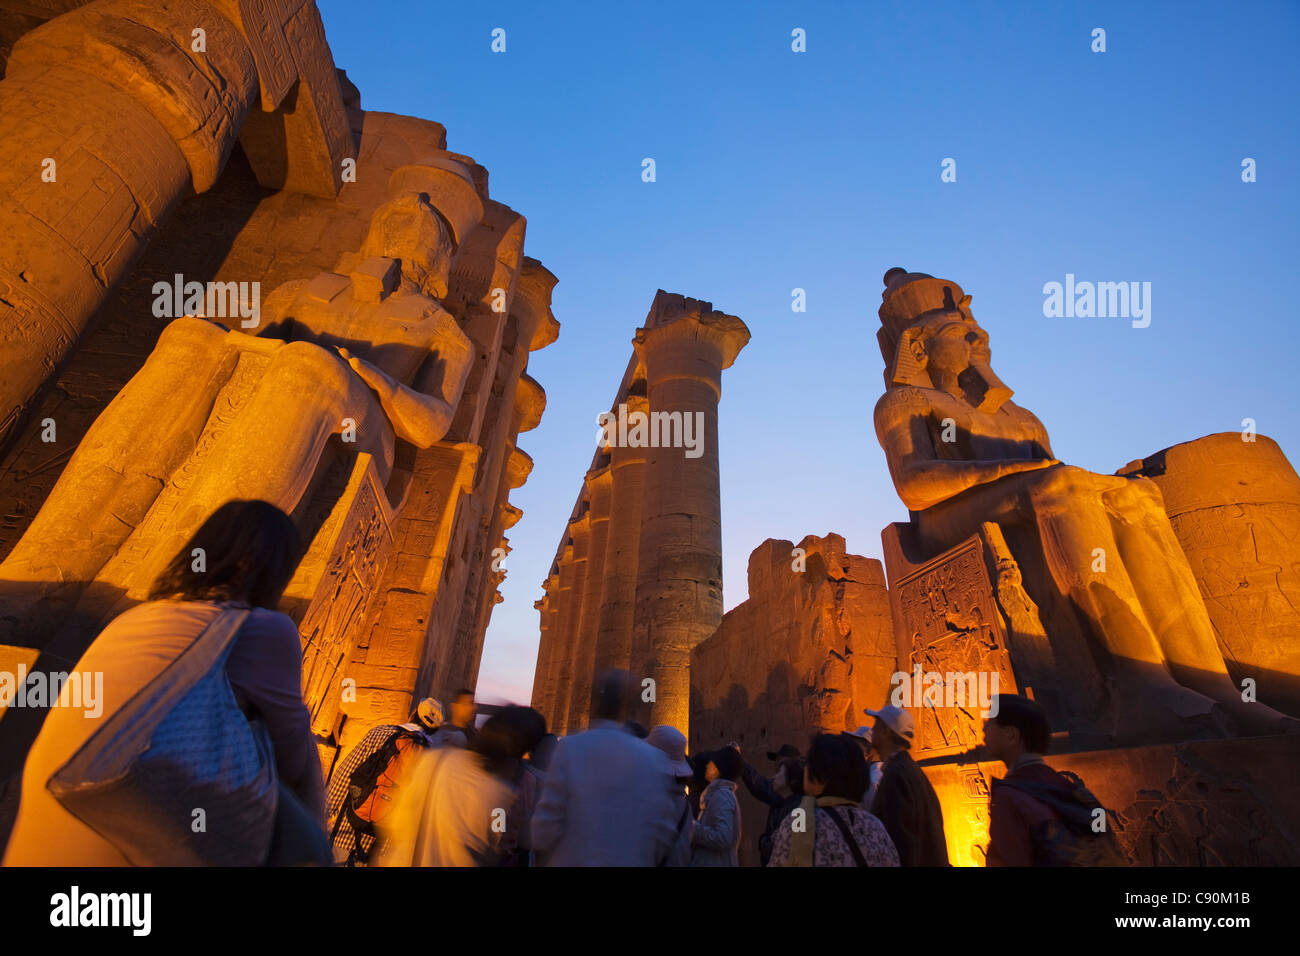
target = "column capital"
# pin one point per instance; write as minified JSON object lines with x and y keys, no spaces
{"x":677,"y":323}
{"x":598,"y":482}
{"x":518,"y":468}
{"x":566,"y":560}
{"x":530,"y":402}
{"x":538,"y":327}
{"x":580,"y":529}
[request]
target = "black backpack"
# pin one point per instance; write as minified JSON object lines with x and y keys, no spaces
{"x":1069,"y":839}
{"x":373,"y":787}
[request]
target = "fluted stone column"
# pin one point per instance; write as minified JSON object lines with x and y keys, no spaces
{"x":618,"y":589}
{"x":546,"y":652}
{"x":560,"y":616}
{"x":536,"y":698}
{"x":684,"y":347}
{"x":598,"y":485}
{"x":571,"y":621}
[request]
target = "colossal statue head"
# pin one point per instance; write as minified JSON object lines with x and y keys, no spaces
{"x":432,"y":207}
{"x":410,"y":230}
{"x":929,"y":339}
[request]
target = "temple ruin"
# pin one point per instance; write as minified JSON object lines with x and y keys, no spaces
{"x":221,"y":278}
{"x":637,"y":580}
{"x":374,"y":387}
{"x":1146,"y":616}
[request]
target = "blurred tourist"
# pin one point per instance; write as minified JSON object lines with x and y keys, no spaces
{"x":362,"y":788}
{"x":716,"y":841}
{"x":454,"y":805}
{"x":608,"y":797}
{"x":781,"y":792}
{"x":671,"y":741}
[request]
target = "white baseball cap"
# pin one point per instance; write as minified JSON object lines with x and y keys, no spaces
{"x":671,"y":741}
{"x":430,"y":713}
{"x":896,"y":719}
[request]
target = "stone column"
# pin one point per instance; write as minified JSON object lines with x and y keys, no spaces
{"x":598,"y":484}
{"x":1234,"y":506}
{"x":548,"y":664}
{"x":618,"y":589}
{"x":684,"y":346}
{"x":109,"y":116}
{"x":544,"y":646}
{"x":571,"y":621}
{"x":559,"y":617}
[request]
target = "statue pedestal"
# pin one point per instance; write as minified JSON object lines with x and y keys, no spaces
{"x":946,"y":622}
{"x":333,"y":588}
{"x":1199,"y":803}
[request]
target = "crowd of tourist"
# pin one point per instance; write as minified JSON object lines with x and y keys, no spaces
{"x":437,"y":790}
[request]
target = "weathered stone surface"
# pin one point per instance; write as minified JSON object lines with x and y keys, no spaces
{"x":947,"y":622}
{"x":406,"y":523}
{"x":1199,"y":803}
{"x":120,"y":110}
{"x":811,"y":647}
{"x":684,"y":346}
{"x":659,"y":575}
{"x":618,"y":589}
{"x":1235,"y":508}
{"x":1096,"y":553}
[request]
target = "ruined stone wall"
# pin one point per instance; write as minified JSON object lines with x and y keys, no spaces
{"x":394,"y":596}
{"x":811,"y":647}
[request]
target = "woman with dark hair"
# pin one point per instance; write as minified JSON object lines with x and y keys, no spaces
{"x":834,"y":829}
{"x":716,"y":840}
{"x":241,"y":559}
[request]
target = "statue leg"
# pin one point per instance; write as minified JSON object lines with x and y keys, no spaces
{"x":1174,"y":605}
{"x":125,"y":457}
{"x":1087,"y":563}
{"x":271,"y":448}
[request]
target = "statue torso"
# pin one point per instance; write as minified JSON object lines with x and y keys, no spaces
{"x":1011,"y":432}
{"x":395,"y":335}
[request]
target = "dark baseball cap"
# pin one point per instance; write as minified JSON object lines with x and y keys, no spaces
{"x":787,"y":750}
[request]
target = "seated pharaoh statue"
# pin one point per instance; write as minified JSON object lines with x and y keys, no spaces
{"x":1131,"y":628}
{"x":359,"y":361}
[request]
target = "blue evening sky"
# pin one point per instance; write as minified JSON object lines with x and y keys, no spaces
{"x":779,"y":170}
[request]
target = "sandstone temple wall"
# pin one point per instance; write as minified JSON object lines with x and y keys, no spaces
{"x":397,"y":589}
{"x":808,"y":650}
